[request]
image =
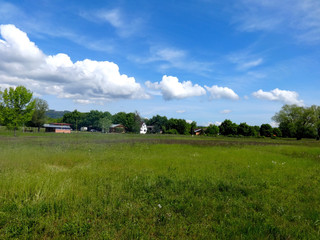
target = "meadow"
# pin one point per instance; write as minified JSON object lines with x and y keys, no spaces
{"x":104,"y":186}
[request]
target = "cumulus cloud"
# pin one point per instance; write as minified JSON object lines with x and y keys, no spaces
{"x":171,"y":88}
{"x":217,"y":92}
{"x":284,"y":96}
{"x":217,"y":123}
{"x":87,"y":81}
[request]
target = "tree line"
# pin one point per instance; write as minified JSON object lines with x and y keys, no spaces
{"x":18,"y":108}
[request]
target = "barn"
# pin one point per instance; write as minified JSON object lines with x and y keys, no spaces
{"x":117,"y":128}
{"x":58,"y":127}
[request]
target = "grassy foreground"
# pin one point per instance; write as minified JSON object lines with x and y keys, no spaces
{"x":95,"y":186}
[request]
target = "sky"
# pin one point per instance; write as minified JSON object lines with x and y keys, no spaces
{"x":199,"y":60}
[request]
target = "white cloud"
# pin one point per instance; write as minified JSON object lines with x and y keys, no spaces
{"x":244,"y":60}
{"x":284,"y":96}
{"x":167,"y":58}
{"x":296,"y":17}
{"x":217,"y":92}
{"x":181,"y":111}
{"x":23,"y":63}
{"x":217,"y":123}
{"x":171,"y":88}
{"x":113,"y":17}
{"x":226,"y":111}
{"x":274,"y":124}
{"x":251,"y":64}
{"x":124,"y":25}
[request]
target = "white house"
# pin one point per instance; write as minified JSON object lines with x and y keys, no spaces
{"x":143,"y":128}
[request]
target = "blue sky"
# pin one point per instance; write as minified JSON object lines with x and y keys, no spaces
{"x":200,"y":60}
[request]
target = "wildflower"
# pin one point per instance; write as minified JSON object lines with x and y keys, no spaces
{"x":159,"y":205}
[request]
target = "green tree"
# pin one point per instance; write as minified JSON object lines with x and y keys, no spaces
{"x":131,"y":121}
{"x":276,"y":132}
{"x":227,"y":127}
{"x":180,"y":125}
{"x":104,"y":124}
{"x":92,"y":119}
{"x":244,"y":129}
{"x":16,"y":106}
{"x":119,"y":118}
{"x":266,"y":130}
{"x":254,"y":131}
{"x":158,"y":122}
{"x":1,"y":108}
{"x":212,"y":130}
{"x":39,"y":115}
{"x":299,"y":122}
{"x":74,"y":118}
{"x":193,"y":126}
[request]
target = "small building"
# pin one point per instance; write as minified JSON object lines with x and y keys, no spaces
{"x":58,"y":127}
{"x":198,"y":131}
{"x":143,"y":128}
{"x":117,"y":128}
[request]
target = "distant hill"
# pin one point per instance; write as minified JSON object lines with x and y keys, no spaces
{"x":55,"y":114}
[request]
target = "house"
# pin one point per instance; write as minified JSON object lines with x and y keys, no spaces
{"x":198,"y":131}
{"x":143,"y":128}
{"x":117,"y":128}
{"x":58,"y":127}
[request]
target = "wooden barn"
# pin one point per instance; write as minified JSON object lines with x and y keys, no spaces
{"x":117,"y":128}
{"x":58,"y":127}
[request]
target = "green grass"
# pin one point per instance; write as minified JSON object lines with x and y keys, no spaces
{"x":100,"y":186}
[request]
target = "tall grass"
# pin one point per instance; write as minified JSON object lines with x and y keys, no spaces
{"x":94,"y":186}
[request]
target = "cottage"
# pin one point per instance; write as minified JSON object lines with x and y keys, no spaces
{"x":198,"y":131}
{"x":117,"y":128}
{"x":58,"y":127}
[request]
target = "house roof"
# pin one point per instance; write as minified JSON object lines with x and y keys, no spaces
{"x":57,"y":126}
{"x":198,"y":130}
{"x":116,"y":125}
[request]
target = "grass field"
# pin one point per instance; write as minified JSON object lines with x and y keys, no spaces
{"x":100,"y":186}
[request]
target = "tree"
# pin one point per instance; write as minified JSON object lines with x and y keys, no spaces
{"x":119,"y":118}
{"x":227,"y":127}
{"x":254,"y":131}
{"x":212,"y":130}
{"x":299,"y":122}
{"x":193,"y":126}
{"x":39,"y":115}
{"x":131,"y":121}
{"x":180,"y":125}
{"x":158,"y":122}
{"x":92,"y":119}
{"x":244,"y":129}
{"x":1,"y":107}
{"x":266,"y":130}
{"x":276,"y":132}
{"x":16,"y":107}
{"x":104,"y":124}
{"x":73,"y":118}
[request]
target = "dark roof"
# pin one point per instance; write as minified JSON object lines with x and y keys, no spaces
{"x":57,"y":126}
